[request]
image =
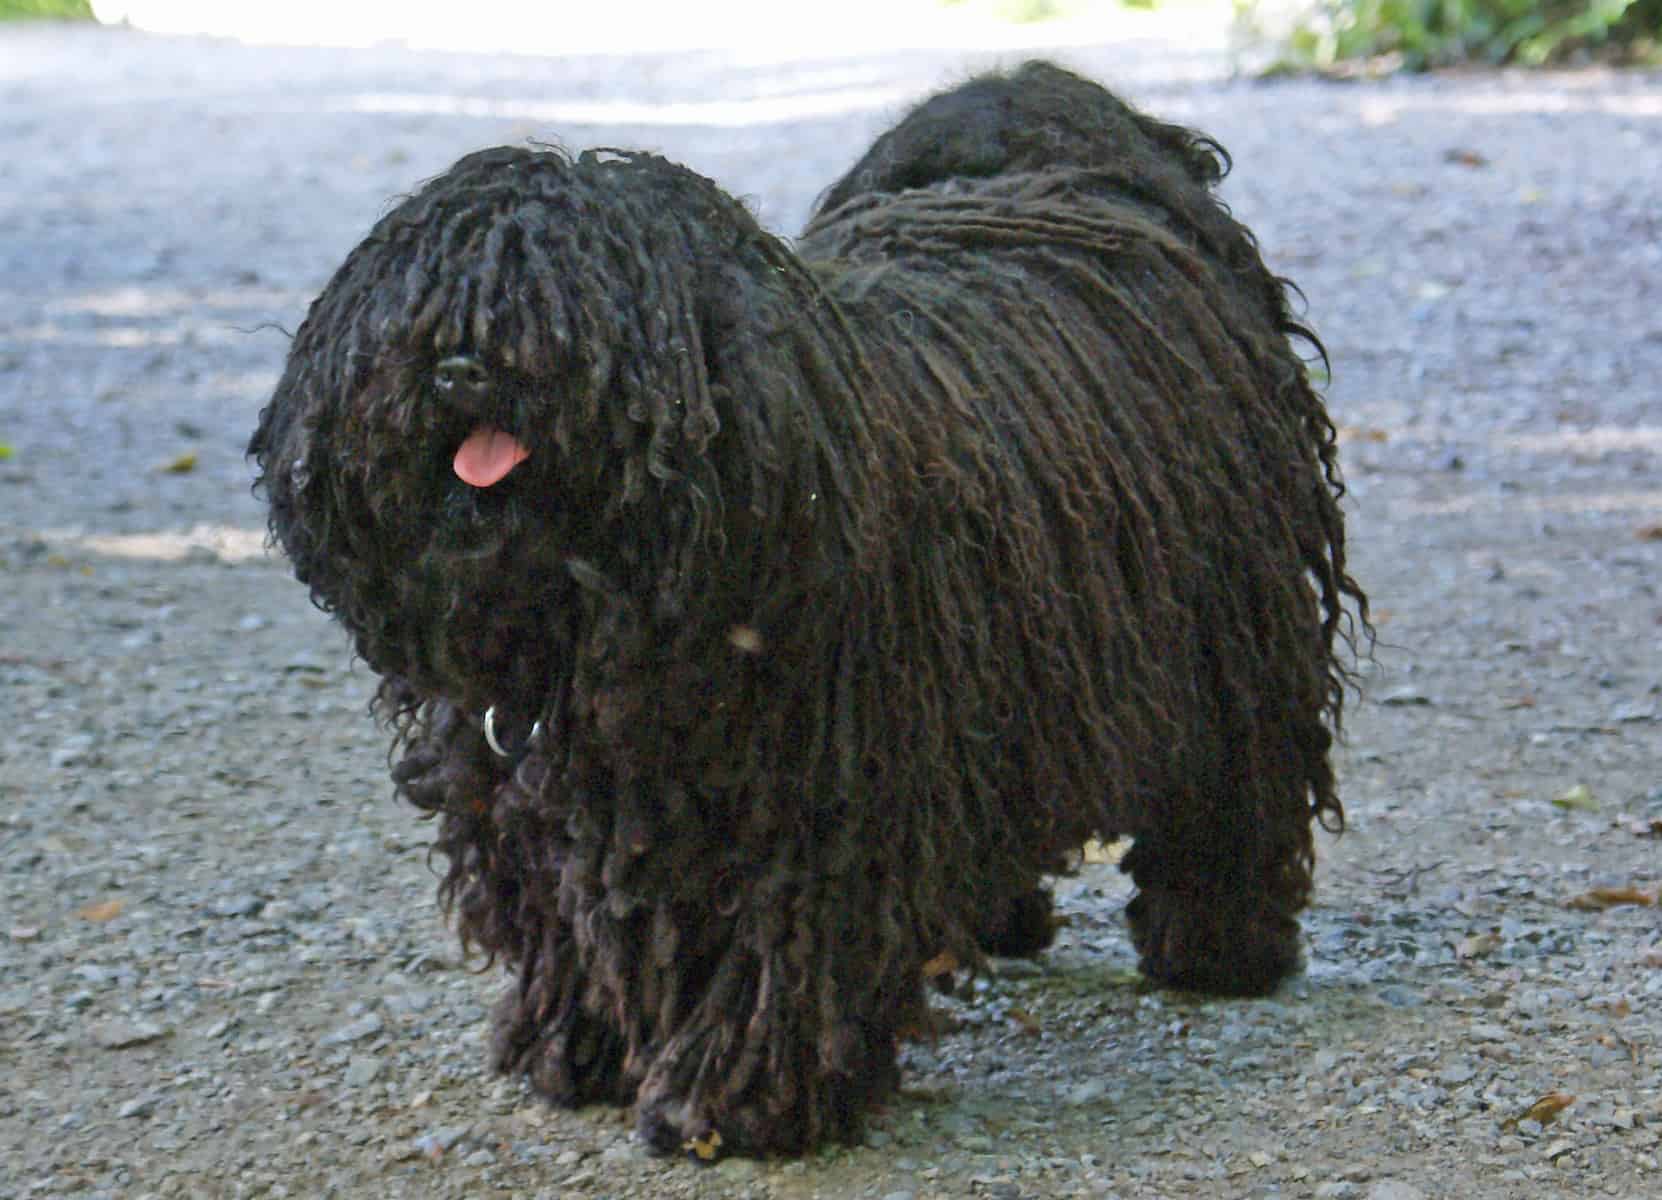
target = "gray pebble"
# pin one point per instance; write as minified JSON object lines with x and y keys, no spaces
{"x":1456,"y":1073}
{"x":245,"y":905}
{"x":1394,"y":1189}
{"x":120,"y":1034}
{"x":364,"y":1068}
{"x":364,"y":1027}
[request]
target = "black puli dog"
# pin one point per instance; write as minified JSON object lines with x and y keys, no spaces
{"x":765,"y":623}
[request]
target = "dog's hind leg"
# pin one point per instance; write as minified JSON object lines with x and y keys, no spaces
{"x":1204,"y":920}
{"x":1218,"y":899}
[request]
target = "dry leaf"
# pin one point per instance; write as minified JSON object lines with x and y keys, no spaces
{"x":1649,"y":533}
{"x":5,"y":452}
{"x":182,"y":465}
{"x":1544,"y":1111}
{"x":706,"y":1147}
{"x":944,"y":963}
{"x":104,"y":910}
{"x":1351,"y":433}
{"x":1600,"y":899}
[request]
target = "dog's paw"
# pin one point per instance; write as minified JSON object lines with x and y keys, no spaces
{"x":569,"y":1062}
{"x":1212,"y":943}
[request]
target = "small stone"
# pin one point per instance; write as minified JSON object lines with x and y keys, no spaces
{"x":244,"y":905}
{"x":1088,"y":1092}
{"x":363,"y":1068}
{"x":900,"y":1196}
{"x":357,"y":1031}
{"x":1337,"y":1189}
{"x":568,"y":1158}
{"x":1457,"y":1073}
{"x":441,"y":1140}
{"x":1394,"y":1189}
{"x":480,"y":1158}
{"x":142,"y":1107}
{"x":120,"y":1035}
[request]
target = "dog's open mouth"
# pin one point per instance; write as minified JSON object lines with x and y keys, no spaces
{"x":487,"y":456}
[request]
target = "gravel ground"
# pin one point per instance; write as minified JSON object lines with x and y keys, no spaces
{"x":222,"y":972}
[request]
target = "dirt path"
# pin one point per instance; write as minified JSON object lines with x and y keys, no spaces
{"x":221,"y":970}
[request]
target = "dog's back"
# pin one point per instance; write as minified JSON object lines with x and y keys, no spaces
{"x":1038,"y":117}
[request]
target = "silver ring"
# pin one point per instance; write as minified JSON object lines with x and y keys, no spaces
{"x":490,"y":733}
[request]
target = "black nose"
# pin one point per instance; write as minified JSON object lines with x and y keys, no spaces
{"x":462,"y":378}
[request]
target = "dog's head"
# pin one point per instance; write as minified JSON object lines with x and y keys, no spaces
{"x":510,"y":395}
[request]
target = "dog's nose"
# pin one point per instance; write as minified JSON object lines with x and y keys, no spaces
{"x":462,"y":378}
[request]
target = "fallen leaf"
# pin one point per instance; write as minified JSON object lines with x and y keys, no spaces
{"x":706,"y":1147}
{"x":1577,"y":799}
{"x":1645,"y":533}
{"x":1352,"y":433}
{"x":104,"y":910}
{"x":5,"y":452}
{"x":1544,"y":1111}
{"x":184,"y":464}
{"x":1599,"y":899}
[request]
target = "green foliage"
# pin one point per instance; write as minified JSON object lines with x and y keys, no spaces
{"x":61,"y":9}
{"x":1432,"y":33}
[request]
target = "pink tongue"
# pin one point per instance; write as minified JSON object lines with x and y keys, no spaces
{"x":487,"y":456}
